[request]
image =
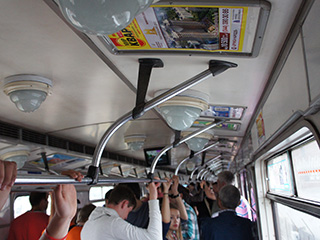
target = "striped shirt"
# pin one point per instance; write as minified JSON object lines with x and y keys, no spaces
{"x":189,"y":228}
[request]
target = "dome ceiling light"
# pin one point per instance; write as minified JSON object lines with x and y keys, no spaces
{"x":101,"y":17}
{"x":135,"y":142}
{"x":198,"y":142}
{"x":18,"y":154}
{"x":27,"y":91}
{"x":181,"y":111}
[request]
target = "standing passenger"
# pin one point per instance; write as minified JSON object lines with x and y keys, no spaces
{"x":189,"y":228}
{"x":227,"y":178}
{"x":31,"y":224}
{"x":109,"y":222}
{"x":174,"y":232}
{"x":227,"y":225}
{"x":83,"y":215}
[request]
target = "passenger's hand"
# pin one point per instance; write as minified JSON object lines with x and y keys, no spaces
{"x":166,"y":185}
{"x":174,"y":188}
{"x":73,"y":174}
{"x":8,"y":174}
{"x":65,"y":199}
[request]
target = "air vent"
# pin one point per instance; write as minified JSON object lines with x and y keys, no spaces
{"x":57,"y":142}
{"x":31,"y":136}
{"x":8,"y":130}
{"x":76,"y":147}
{"x":14,"y":132}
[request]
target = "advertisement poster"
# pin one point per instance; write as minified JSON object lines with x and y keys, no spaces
{"x":223,"y":112}
{"x":260,"y":128}
{"x":57,"y":161}
{"x":222,"y":126}
{"x":279,"y":175}
{"x":197,"y":28}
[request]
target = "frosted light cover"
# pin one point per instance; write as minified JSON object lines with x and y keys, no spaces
{"x":28,"y":100}
{"x":101,"y":17}
{"x":179,"y":117}
{"x":20,"y":160}
{"x":196,"y":144}
{"x":135,"y":146}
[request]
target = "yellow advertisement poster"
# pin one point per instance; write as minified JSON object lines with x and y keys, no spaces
{"x":260,"y":128}
{"x":196,"y":28}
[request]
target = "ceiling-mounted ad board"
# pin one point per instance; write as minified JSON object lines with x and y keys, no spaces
{"x":205,"y":27}
{"x":223,"y":112}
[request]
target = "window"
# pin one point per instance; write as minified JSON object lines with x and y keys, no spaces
{"x":279,"y":175}
{"x":96,"y":194}
{"x":293,"y":224}
{"x":22,"y":204}
{"x":306,"y":162}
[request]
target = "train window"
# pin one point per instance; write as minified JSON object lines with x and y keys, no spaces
{"x":22,"y":204}
{"x":280,"y":175}
{"x":306,"y":162}
{"x":293,"y":224}
{"x":96,"y":194}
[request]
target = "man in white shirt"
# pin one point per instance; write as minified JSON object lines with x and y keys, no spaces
{"x":109,"y":222}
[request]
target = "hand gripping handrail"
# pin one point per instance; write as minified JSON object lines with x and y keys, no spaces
{"x":186,"y":138}
{"x":36,"y":179}
{"x":196,"y":154}
{"x":215,"y":68}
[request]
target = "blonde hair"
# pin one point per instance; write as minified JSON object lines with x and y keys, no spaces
{"x":179,"y":232}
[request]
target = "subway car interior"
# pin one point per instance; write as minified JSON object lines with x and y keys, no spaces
{"x":189,"y":88}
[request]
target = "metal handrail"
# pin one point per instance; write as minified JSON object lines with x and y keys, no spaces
{"x":186,"y":138}
{"x":36,"y":179}
{"x":215,"y":68}
{"x":196,"y":154}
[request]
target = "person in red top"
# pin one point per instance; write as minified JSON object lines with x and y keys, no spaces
{"x":31,"y":224}
{"x":83,"y":215}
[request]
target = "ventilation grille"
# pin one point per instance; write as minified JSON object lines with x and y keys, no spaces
{"x":9,"y":130}
{"x":15,"y":132}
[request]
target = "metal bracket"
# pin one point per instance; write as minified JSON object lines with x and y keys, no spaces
{"x":145,"y":68}
{"x":217,"y":67}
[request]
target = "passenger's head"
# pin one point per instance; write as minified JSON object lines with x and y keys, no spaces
{"x":84,"y":213}
{"x":191,"y":186}
{"x":175,"y":218}
{"x":225,"y":178}
{"x":135,"y":188}
{"x":39,"y":200}
{"x":229,"y":197}
{"x":122,"y":200}
{"x":215,"y":187}
{"x":107,"y":196}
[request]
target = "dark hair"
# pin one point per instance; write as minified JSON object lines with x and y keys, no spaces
{"x":36,"y":197}
{"x":120,"y":193}
{"x":135,"y":188}
{"x":107,"y":195}
{"x":229,"y":196}
{"x":226,"y":177}
{"x":85,"y":212}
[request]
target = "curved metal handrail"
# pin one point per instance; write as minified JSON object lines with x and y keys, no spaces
{"x":196,"y":154}
{"x":186,"y":138}
{"x":215,"y":68}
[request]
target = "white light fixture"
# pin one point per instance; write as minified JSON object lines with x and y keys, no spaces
{"x":135,"y":142}
{"x":27,"y":91}
{"x":181,"y":111}
{"x":18,"y":154}
{"x":101,"y":17}
{"x":198,"y":142}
